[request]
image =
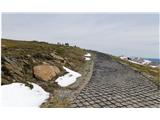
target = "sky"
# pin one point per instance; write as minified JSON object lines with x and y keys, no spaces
{"x":130,"y":34}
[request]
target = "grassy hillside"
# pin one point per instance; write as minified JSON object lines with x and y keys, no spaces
{"x":19,"y":58}
{"x":13,"y":48}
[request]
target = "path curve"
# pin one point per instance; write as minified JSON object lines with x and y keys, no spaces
{"x":115,"y":85}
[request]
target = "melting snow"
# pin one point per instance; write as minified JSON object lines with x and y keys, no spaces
{"x":87,"y":55}
{"x":19,"y":95}
{"x":124,"y":58}
{"x":86,"y":58}
{"x":153,"y":66}
{"x":68,"y":78}
{"x":134,"y":62}
{"x":146,"y":62}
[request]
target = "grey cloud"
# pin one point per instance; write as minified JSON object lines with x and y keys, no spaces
{"x":130,"y":34}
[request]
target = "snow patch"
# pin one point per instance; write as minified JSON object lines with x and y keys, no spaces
{"x":87,"y":55}
{"x":153,"y":66}
{"x":139,"y":61}
{"x":134,"y":62}
{"x":19,"y":95}
{"x":124,"y":58}
{"x":68,"y":78}
{"x":146,"y":62}
{"x":86,"y":58}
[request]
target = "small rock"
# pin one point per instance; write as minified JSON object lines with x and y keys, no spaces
{"x":12,"y":68}
{"x":71,"y":64}
{"x":57,"y":57}
{"x":28,"y":55}
{"x":44,"y":62}
{"x":4,"y":58}
{"x":45,"y":72}
{"x":3,"y":45}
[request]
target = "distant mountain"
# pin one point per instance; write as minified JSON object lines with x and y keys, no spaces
{"x":153,"y":59}
{"x":152,"y":62}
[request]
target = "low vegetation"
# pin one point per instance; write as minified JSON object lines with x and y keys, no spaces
{"x":152,"y":73}
{"x":16,"y":49}
{"x":20,"y":57}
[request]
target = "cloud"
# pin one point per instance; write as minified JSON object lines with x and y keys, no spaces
{"x":130,"y":34}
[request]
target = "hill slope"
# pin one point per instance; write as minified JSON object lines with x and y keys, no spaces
{"x":19,"y":58}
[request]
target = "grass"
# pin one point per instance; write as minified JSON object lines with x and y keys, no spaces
{"x":55,"y":102}
{"x":27,"y":54}
{"x":153,"y":73}
{"x":16,"y":49}
{"x":63,"y":97}
{"x":24,"y":55}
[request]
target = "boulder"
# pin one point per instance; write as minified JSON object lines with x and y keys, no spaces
{"x":45,"y":72}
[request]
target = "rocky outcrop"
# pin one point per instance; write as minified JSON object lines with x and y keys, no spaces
{"x":11,"y":70}
{"x":57,"y":57}
{"x":46,"y":72}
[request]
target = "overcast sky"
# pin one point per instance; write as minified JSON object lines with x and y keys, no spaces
{"x":117,"y":34}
